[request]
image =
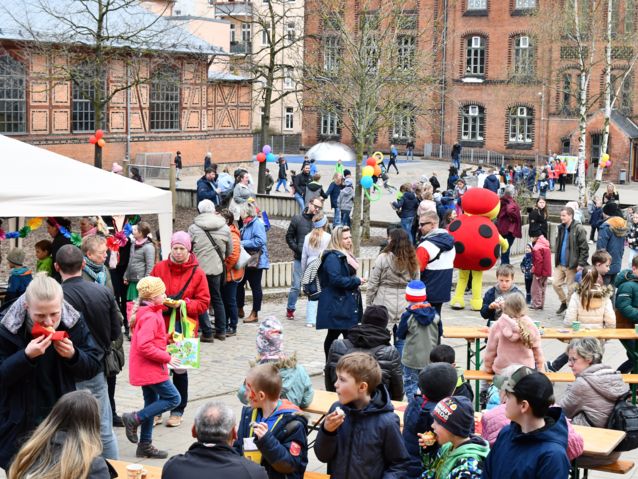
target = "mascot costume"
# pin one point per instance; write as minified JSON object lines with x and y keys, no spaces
{"x":477,"y":242}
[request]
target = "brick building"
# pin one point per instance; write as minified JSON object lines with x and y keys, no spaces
{"x":175,"y":106}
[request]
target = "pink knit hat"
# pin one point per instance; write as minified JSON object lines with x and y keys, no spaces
{"x":181,"y":237}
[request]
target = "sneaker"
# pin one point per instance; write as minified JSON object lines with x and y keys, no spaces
{"x":549,"y":367}
{"x":174,"y":421}
{"x":220,"y":336}
{"x":591,"y":241}
{"x":207,"y":338}
{"x":131,"y":424}
{"x":308,"y":325}
{"x":231,"y":332}
{"x":562,"y":309}
{"x":157,"y":420}
{"x":146,"y":449}
{"x":117,"y":421}
{"x":290,"y":313}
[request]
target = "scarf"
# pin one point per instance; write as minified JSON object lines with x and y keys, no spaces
{"x":92,"y":231}
{"x":352,"y":261}
{"x":97,"y":272}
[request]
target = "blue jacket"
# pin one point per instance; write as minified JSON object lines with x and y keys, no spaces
{"x":526,"y":265}
{"x":451,"y":181}
{"x":368,"y":445}
{"x":492,"y":183}
{"x":417,"y":419}
{"x":19,"y":279}
{"x":284,"y":447}
{"x":253,"y":237}
{"x":333,"y":193}
{"x":611,"y":237}
{"x":206,"y":190}
{"x":489,"y":297}
{"x":437,"y":275}
{"x":340,"y":301}
{"x":408,"y":204}
{"x":538,"y":454}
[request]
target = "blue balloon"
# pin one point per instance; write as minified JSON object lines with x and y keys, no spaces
{"x":271,"y":157}
{"x":366,"y":182}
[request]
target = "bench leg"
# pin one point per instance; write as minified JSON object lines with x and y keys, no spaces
{"x":477,"y":383}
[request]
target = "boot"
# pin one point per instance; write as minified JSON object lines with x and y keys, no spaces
{"x":562,"y":308}
{"x":146,"y":449}
{"x":131,"y":423}
{"x":252,"y":318}
{"x":240,"y":312}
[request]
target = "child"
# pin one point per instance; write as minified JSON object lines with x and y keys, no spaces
{"x":436,"y":381}
{"x":377,"y":450}
{"x":541,"y":267}
{"x":148,"y":365}
{"x":601,"y":261}
{"x":526,"y":269}
{"x":445,"y":354}
{"x":421,"y":329}
{"x":269,"y":181}
{"x":595,"y":217}
{"x":462,"y":453}
{"x":314,"y":189}
{"x":272,"y":431}
{"x":543,"y":186}
{"x":296,"y":384}
{"x":535,"y":442}
{"x":495,"y":296}
{"x":339,"y":167}
{"x":346,"y":201}
{"x":19,"y":277}
{"x":44,"y":259}
{"x":632,"y":237}
{"x":281,"y":174}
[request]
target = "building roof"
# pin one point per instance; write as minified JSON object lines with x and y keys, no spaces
{"x":625,"y":124}
{"x":62,"y":21}
{"x":224,"y":76}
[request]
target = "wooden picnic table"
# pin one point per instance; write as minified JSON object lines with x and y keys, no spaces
{"x":322,"y":401}
{"x":599,"y":441}
{"x":153,"y":472}
{"x":472,"y":375}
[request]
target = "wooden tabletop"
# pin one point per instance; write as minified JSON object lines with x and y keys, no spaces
{"x":322,"y":401}
{"x":472,"y":375}
{"x":153,"y":472}
{"x":599,"y":441}
{"x":481,"y":332}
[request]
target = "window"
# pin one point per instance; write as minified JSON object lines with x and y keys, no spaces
{"x":473,"y":123}
{"x":265,"y":36}
{"x":83,"y":91}
{"x":164,"y":105}
{"x":12,"y":96}
{"x":290,"y":33}
{"x":630,"y":16}
{"x":331,"y":54}
{"x":329,"y":124}
{"x":570,"y":81}
{"x":246,"y":32}
{"x":407,"y":48}
{"x":404,"y":126}
{"x":622,"y":101}
{"x":477,"y":4}
{"x":566,"y":146}
{"x":524,"y":4}
{"x":289,"y":118}
{"x":408,"y":21}
{"x":521,"y":123}
{"x":233,"y":33}
{"x":288,"y":77}
{"x":372,"y":54}
{"x":369,"y":22}
{"x":475,"y":56}
{"x":523,"y":57}
{"x":596,"y":147}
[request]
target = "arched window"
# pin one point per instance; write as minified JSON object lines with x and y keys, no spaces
{"x":473,"y":123}
{"x":521,"y":125}
{"x":165,"y":99}
{"x":13,"y":105}
{"x":85,"y":82}
{"x":475,"y":56}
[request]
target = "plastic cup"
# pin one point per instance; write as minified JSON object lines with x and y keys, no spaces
{"x":537,"y":324}
{"x":575,"y":325}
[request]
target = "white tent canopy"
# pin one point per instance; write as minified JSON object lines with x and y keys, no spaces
{"x":37,"y":182}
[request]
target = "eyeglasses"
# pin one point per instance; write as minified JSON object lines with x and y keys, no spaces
{"x":426,"y":223}
{"x":572,"y":360}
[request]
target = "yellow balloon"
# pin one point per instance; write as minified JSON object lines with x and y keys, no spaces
{"x":367,"y":171}
{"x":378,"y":155}
{"x":605,"y":157}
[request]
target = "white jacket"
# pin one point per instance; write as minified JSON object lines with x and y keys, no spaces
{"x":600,"y":314}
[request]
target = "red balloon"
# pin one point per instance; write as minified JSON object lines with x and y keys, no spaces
{"x":371,"y":162}
{"x":261,"y":157}
{"x":99,"y":134}
{"x":92,"y":139}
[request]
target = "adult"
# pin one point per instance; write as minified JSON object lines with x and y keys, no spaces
{"x":233,"y":276}
{"x":371,"y":336}
{"x":300,"y":225}
{"x":95,"y":251}
{"x":118,"y":262}
{"x":208,"y":161}
{"x":394,"y":154}
{"x":572,"y":252}
{"x":178,"y":165}
{"x":208,"y":188}
{"x":395,"y":267}
{"x":340,"y":300}
{"x":611,"y":194}
{"x":456,"y":156}
{"x":334,"y":189}
{"x":212,"y":244}
{"x":509,"y":221}
{"x":299,"y":183}
{"x":314,"y":244}
{"x":255,"y":242}
{"x":611,"y":237}
{"x":104,"y":320}
{"x":66,"y":444}
{"x":560,"y":170}
{"x":141,"y":259}
{"x":627,"y":305}
{"x":242,"y":192}
{"x":453,"y":177}
{"x":213,"y":455}
{"x":36,"y":371}
{"x":590,"y":399}
{"x":491,"y":181}
{"x":136,"y":175}
{"x":88,"y":226}
{"x":282,"y":174}
{"x":538,"y":218}
{"x":409,"y":149}
{"x":407,"y":207}
{"x":184,"y":280}
{"x":59,"y":240}
{"x":436,"y":255}
{"x":434,"y":181}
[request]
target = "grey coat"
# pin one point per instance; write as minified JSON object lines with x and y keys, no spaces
{"x":141,"y":261}
{"x":206,"y":253}
{"x":346,"y":199}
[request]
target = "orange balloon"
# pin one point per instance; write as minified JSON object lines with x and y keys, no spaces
{"x":377,"y":170}
{"x":101,"y":143}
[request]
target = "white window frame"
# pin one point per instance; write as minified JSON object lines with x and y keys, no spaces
{"x":291,"y":33}
{"x":246,"y":32}
{"x":233,"y":33}
{"x":524,"y":4}
{"x":523,"y":56}
{"x":407,"y":51}
{"x":473,"y":123}
{"x":521,"y":125}
{"x":329,"y":124}
{"x":264,"y":36}
{"x":477,"y":5}
{"x":475,"y":56}
{"x":289,"y":118}
{"x":404,"y":126}
{"x":288,"y":77}
{"x":331,"y":54}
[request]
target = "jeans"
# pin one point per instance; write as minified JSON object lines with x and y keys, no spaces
{"x":300,"y":202}
{"x":229,"y":295}
{"x":406,"y":224}
{"x":293,"y":295}
{"x":158,"y":398}
{"x":180,"y":381}
{"x":528,"y":288}
{"x":456,"y":163}
{"x":215,"y":288}
{"x":99,"y":389}
{"x":281,"y":181}
{"x":392,"y":162}
{"x":253,"y":278}
{"x":336,"y":221}
{"x":592,"y":235}
{"x":398,"y":343}
{"x":409,"y":153}
{"x":311,"y":312}
{"x":505,"y":257}
{"x":410,"y":381}
{"x":345,"y":218}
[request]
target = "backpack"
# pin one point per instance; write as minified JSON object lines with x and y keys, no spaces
{"x":310,"y":280}
{"x":624,"y":417}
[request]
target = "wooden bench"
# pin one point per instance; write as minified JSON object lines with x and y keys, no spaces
{"x":322,"y":401}
{"x":472,"y":375}
{"x":315,"y":475}
{"x":618,"y":467}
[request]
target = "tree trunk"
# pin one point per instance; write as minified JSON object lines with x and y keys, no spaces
{"x":608,"y":86}
{"x":367,"y":204}
{"x":358,"y":194}
{"x":582,"y":141}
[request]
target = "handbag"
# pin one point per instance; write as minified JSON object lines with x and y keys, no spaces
{"x":184,"y":346}
{"x":244,"y":257}
{"x":114,"y":358}
{"x":253,"y":262}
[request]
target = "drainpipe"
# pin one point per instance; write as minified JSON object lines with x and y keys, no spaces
{"x":443,"y":75}
{"x":128,"y":118}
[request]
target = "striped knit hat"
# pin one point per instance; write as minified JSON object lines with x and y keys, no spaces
{"x":415,"y":291}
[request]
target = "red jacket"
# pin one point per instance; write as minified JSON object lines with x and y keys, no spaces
{"x":542,"y":258}
{"x":175,"y":276}
{"x":509,"y":218}
{"x":148,"y":359}
{"x":560,"y":169}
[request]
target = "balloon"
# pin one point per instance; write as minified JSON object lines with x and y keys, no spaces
{"x":271,"y":157}
{"x":377,"y":196}
{"x":608,"y":164}
{"x":605,"y":157}
{"x":261,"y":157}
{"x":378,"y":155}
{"x":371,"y":162}
{"x":367,"y":171}
{"x":92,"y":140}
{"x":266,"y":149}
{"x":99,"y":134}
{"x":101,"y":142}
{"x":377,"y":170}
{"x":366,"y":182}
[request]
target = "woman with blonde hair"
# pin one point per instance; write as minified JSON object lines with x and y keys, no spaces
{"x":611,"y":194}
{"x":66,"y":445}
{"x":314,"y":245}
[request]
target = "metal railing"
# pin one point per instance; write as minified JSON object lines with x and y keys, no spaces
{"x":288,"y":144}
{"x":477,"y":156}
{"x":241,"y":47}
{"x":153,"y":165}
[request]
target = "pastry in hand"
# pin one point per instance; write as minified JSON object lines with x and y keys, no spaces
{"x":428,"y":439}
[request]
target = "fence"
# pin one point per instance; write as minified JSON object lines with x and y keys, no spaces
{"x":275,"y":206}
{"x":153,"y":165}
{"x":288,"y":144}
{"x":478,"y":156}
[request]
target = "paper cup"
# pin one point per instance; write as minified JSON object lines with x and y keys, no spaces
{"x":537,"y":324}
{"x":575,"y":325}
{"x":135,"y":471}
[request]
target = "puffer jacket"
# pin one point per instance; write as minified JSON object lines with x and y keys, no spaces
{"x":422,"y":329}
{"x":505,"y":347}
{"x":346,"y":198}
{"x":593,"y":395}
{"x":492,"y":183}
{"x":386,"y":286}
{"x":376,"y":341}
{"x":231,"y":260}
{"x":600,"y":313}
{"x":141,"y":261}
{"x":611,"y":237}
{"x":627,"y":295}
{"x":542,"y":258}
{"x":408,"y":205}
{"x":209,"y":259}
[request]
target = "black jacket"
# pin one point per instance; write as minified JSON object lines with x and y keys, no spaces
{"x":537,"y":221}
{"x":57,"y":243}
{"x":220,"y":460}
{"x":376,"y":341}
{"x":299,"y":181}
{"x":299,"y":227}
{"x":408,"y":204}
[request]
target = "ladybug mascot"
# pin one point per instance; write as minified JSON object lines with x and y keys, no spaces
{"x":477,"y":242}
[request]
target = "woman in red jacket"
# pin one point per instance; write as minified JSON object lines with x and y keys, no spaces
{"x":509,"y":220}
{"x":186,"y":281}
{"x":561,"y":172}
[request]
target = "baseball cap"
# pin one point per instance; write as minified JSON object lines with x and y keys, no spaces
{"x":527,"y":384}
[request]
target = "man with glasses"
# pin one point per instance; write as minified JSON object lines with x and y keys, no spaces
{"x":436,"y":255}
{"x":299,"y":227}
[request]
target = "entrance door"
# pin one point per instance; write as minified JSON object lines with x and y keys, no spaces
{"x":596,"y":143}
{"x":634,"y":160}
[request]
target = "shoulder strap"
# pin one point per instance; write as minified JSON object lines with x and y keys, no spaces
{"x":181,"y":291}
{"x":215,"y":245}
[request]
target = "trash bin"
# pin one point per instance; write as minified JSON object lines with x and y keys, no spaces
{"x":623,"y":177}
